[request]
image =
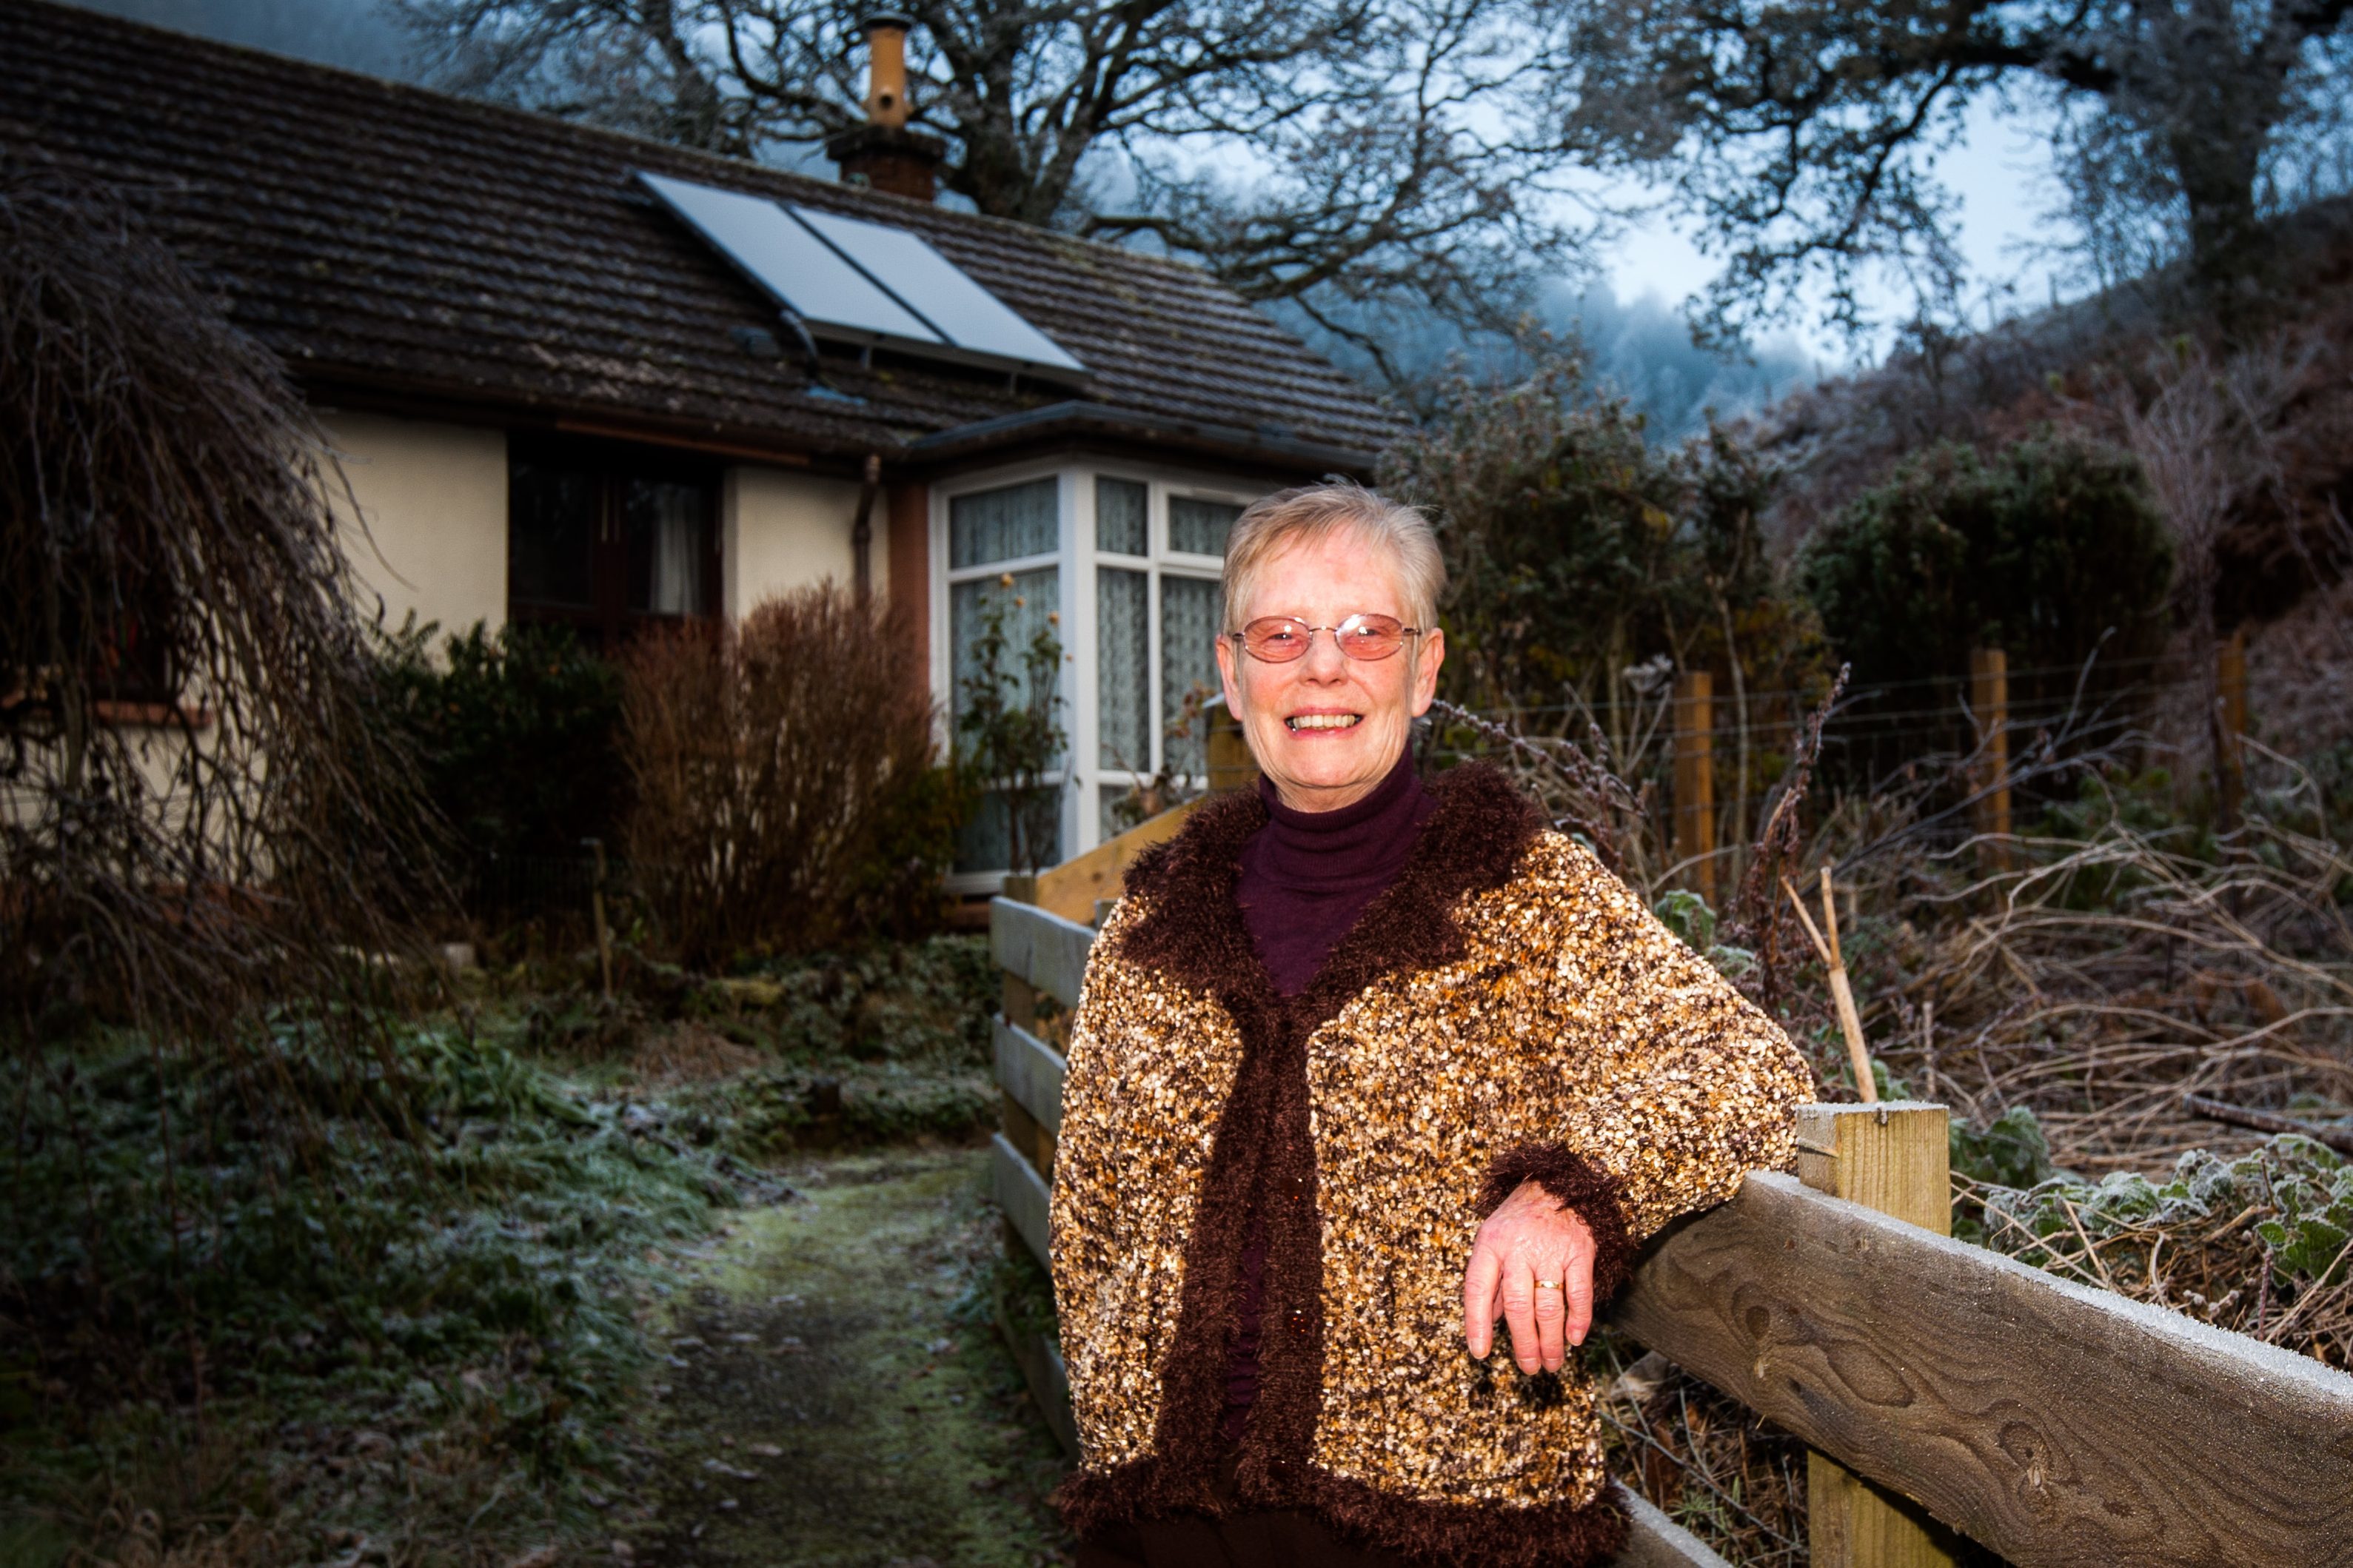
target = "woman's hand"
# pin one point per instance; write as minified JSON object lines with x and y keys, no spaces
{"x":1530,"y":1237}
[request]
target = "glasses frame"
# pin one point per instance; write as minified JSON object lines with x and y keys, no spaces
{"x":1241,"y":638}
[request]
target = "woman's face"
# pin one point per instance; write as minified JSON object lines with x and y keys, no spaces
{"x":1326,"y":727}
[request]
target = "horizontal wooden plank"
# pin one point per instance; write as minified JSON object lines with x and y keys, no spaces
{"x":1020,"y":1192}
{"x":1031,"y":1072}
{"x":1072,"y":888}
{"x":1050,"y":1386}
{"x":1043,"y":949}
{"x":1042,"y":1370}
{"x":2052,"y":1422}
{"x":1654,"y":1541}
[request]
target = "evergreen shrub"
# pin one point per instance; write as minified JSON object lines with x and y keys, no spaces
{"x":2050,"y":549}
{"x":515,"y":733}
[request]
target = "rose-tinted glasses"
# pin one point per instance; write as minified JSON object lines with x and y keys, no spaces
{"x":1279,"y":639}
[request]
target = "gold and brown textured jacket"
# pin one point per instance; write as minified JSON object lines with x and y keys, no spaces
{"x":1506,"y":1011}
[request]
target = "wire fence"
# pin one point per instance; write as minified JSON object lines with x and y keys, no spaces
{"x":1960,"y":753}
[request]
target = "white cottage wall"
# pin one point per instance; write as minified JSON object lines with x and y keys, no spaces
{"x":782,"y":530}
{"x":433,"y":501}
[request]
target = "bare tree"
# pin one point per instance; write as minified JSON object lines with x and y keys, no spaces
{"x":1342,"y":154}
{"x":1406,"y":170}
{"x":2207,"y":431}
{"x":1805,"y":131}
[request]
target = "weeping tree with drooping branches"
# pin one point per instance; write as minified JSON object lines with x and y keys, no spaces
{"x":200,"y":811}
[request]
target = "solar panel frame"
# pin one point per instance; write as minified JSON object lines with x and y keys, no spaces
{"x":815,"y":266}
{"x":761,"y":240}
{"x":946,"y":297}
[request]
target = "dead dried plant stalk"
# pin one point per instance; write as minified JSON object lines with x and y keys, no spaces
{"x":2110,"y":975}
{"x":765,"y":758}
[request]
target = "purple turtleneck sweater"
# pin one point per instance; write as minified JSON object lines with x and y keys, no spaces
{"x":1305,"y":879}
{"x":1306,"y":876}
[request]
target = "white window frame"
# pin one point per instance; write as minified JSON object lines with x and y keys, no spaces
{"x":1082,"y":776}
{"x":1161,"y":561}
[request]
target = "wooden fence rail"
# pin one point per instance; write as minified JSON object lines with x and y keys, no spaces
{"x":2052,"y":1422}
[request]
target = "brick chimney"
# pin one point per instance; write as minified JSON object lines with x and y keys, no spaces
{"x":882,"y":152}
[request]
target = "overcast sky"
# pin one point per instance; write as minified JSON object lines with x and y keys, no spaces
{"x":1997,"y":172}
{"x":1998,"y":175}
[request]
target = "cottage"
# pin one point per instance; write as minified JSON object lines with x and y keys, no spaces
{"x":583,"y":378}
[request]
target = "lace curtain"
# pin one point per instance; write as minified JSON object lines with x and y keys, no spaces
{"x":1189,"y":608}
{"x":1039,"y":592}
{"x":1199,"y":526}
{"x":1122,"y":526}
{"x":1004,"y":525}
{"x":1122,"y":671}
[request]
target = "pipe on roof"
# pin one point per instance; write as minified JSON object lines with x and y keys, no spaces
{"x":886,"y":66}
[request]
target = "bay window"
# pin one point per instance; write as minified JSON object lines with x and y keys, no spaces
{"x":1129,"y":560}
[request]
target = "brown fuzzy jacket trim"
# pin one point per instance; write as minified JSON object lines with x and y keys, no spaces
{"x":1195,"y":933}
{"x":1578,"y":1185}
{"x":1547,"y":1536}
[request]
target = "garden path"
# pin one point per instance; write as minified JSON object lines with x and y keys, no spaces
{"x":836,"y":1396}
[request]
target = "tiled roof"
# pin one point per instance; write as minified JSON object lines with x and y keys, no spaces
{"x":384,"y":238}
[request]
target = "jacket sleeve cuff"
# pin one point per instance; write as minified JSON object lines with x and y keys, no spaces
{"x":1578,"y":1185}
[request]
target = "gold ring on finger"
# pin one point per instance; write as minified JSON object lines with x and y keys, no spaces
{"x":1548,"y":1284}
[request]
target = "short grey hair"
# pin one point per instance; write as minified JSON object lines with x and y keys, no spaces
{"x":1308,"y":513}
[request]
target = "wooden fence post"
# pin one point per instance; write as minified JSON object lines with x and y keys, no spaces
{"x":1891,"y":1157}
{"x":2230,"y":754}
{"x":1231,"y":766}
{"x":1989,"y":706}
{"x":1695,"y":719}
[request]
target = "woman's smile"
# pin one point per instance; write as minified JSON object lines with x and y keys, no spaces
{"x":1322,"y":720}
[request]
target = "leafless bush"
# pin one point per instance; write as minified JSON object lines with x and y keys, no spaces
{"x":1577,"y":785}
{"x":771,"y":762}
{"x":2303,"y":662}
{"x":197,"y":813}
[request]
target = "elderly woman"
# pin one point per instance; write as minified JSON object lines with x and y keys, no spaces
{"x":1360,"y":1068}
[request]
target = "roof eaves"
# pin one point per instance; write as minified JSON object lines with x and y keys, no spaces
{"x":1068,"y":419}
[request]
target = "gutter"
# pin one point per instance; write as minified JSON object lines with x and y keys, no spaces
{"x":1076,"y":418}
{"x":424,"y":397}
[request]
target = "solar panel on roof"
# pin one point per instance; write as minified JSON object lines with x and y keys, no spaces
{"x":790,"y":264}
{"x":862,"y":282}
{"x":936,"y":289}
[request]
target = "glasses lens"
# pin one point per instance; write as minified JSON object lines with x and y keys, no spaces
{"x":1371,"y":636}
{"x":1276,"y":639}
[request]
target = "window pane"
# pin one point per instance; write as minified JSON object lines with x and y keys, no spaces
{"x":985,"y":842}
{"x":551,"y":540}
{"x":665,"y":526}
{"x":1188,"y":661}
{"x":1004,"y":525}
{"x":1199,"y":526}
{"x":1120,"y":517}
{"x":1036,"y":592}
{"x":1122,"y":671}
